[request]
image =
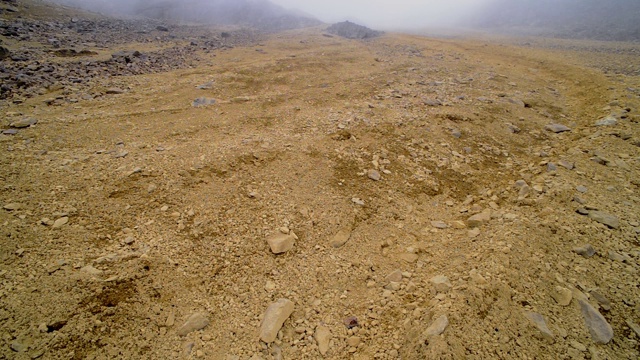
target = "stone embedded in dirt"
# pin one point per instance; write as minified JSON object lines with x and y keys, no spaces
{"x":323,"y":338}
{"x":604,"y":303}
{"x":274,"y":317}
{"x":456,"y":133}
{"x":635,"y":327}
{"x":600,"y":330}
{"x":562,"y":296}
{"x":162,"y":28}
{"x":4,"y":53}
{"x":440,"y":283}
{"x":607,"y":121}
{"x":408,"y":257}
{"x":341,"y":238}
{"x":206,"y":86}
{"x":476,"y":277}
{"x":91,"y":270}
{"x":13,"y":206}
{"x":281,"y":243}
{"x":541,"y":325}
{"x":374,"y":175}
{"x":551,"y":167}
{"x":114,"y":91}
{"x":60,"y":222}
{"x":439,"y":225}
{"x":203,"y":101}
{"x":395,"y":276}
{"x":23,"y":123}
{"x":9,"y":132}
{"x":195,"y":322}
{"x":480,"y":219}
{"x":607,"y":219}
{"x":432,"y":102}
{"x":566,"y":164}
{"x":585,"y":250}
{"x":437,"y":327}
{"x":556,"y":128}
{"x":581,"y":189}
{"x":619,"y":257}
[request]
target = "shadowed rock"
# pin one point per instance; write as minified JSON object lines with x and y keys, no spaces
{"x":350,"y":30}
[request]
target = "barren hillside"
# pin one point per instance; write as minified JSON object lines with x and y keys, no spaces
{"x":181,"y":193}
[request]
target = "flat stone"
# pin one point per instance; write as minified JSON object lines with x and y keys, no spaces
{"x":607,"y":121}
{"x":440,"y":283}
{"x":604,"y":303}
{"x":459,"y":224}
{"x":439,"y":225}
{"x":60,"y":222}
{"x":478,"y":220}
{"x":473,"y":233}
{"x":374,"y":175}
{"x":581,"y":189}
{"x":619,"y":257}
{"x":202,"y":101}
{"x":437,"y":327}
{"x":609,"y":220}
{"x":281,"y":243}
{"x":275,"y":316}
{"x":541,"y":325}
{"x":562,"y":296}
{"x":323,"y":338}
{"x":586,"y":250}
{"x":395,"y":276}
{"x":341,"y":238}
{"x":114,"y":91}
{"x":556,"y":128}
{"x":12,"y":206}
{"x":600,"y":330}
{"x":195,"y":322}
{"x":634,"y":327}
{"x":10,"y":132}
{"x":409,"y":257}
{"x":23,"y":123}
{"x":566,"y":164}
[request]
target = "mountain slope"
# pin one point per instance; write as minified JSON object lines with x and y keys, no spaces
{"x":601,"y":20}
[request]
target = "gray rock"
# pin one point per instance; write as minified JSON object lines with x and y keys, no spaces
{"x":541,"y":325}
{"x":432,"y":102}
{"x":607,"y":121}
{"x":341,"y":238}
{"x":609,"y":220}
{"x":619,"y":257}
{"x":10,"y":132}
{"x":195,"y":322}
{"x":581,"y":189}
{"x":457,"y":134}
{"x":440,"y":283}
{"x":439,"y":225}
{"x":551,"y":167}
{"x":23,"y":123}
{"x":205,"y":86}
{"x":585,"y":250}
{"x":281,"y":243}
{"x":556,"y":128}
{"x":634,"y":327}
{"x":604,"y":303}
{"x":374,"y":175}
{"x":600,"y":330}
{"x":566,"y":164}
{"x":323,"y":338}
{"x":202,"y":101}
{"x":4,"y":53}
{"x":437,"y":327}
{"x":275,"y":316}
{"x":478,"y":220}
{"x":114,"y":91}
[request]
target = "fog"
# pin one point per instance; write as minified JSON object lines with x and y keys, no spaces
{"x":389,"y":14}
{"x":381,"y":14}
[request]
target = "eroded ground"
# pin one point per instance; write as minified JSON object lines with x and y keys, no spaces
{"x":169,"y":205}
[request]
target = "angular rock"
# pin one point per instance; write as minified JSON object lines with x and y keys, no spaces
{"x":195,"y":322}
{"x":199,"y":102}
{"x":395,"y":276}
{"x":437,"y":327}
{"x":341,"y":238}
{"x":607,"y":121}
{"x":323,"y":338}
{"x":566,"y":164}
{"x":604,"y":303}
{"x":600,"y":330}
{"x":478,"y":220}
{"x":540,"y":324}
{"x":275,"y":316}
{"x":409,"y":257}
{"x":562,"y":296}
{"x":556,"y":128}
{"x":23,"y":123}
{"x":12,"y":206}
{"x":374,"y":175}
{"x":586,"y":251}
{"x":281,"y":243}
{"x":440,"y":283}
{"x":609,"y":220}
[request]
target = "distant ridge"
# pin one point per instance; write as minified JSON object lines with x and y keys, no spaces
{"x":350,"y":30}
{"x":578,"y":19}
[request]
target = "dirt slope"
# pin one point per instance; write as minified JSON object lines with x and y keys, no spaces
{"x":127,"y":213}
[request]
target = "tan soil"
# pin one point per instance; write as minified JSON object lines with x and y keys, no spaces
{"x":179,"y":225}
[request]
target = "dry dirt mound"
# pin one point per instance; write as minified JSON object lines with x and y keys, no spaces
{"x":312,"y":197}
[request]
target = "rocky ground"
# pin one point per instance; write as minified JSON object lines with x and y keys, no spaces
{"x":308,"y":197}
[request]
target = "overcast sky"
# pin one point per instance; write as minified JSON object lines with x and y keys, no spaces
{"x":388,"y":13}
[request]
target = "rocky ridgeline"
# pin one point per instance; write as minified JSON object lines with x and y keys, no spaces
{"x":350,"y":30}
{"x":36,"y":69}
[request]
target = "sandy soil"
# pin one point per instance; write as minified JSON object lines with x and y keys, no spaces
{"x":126,"y":214}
